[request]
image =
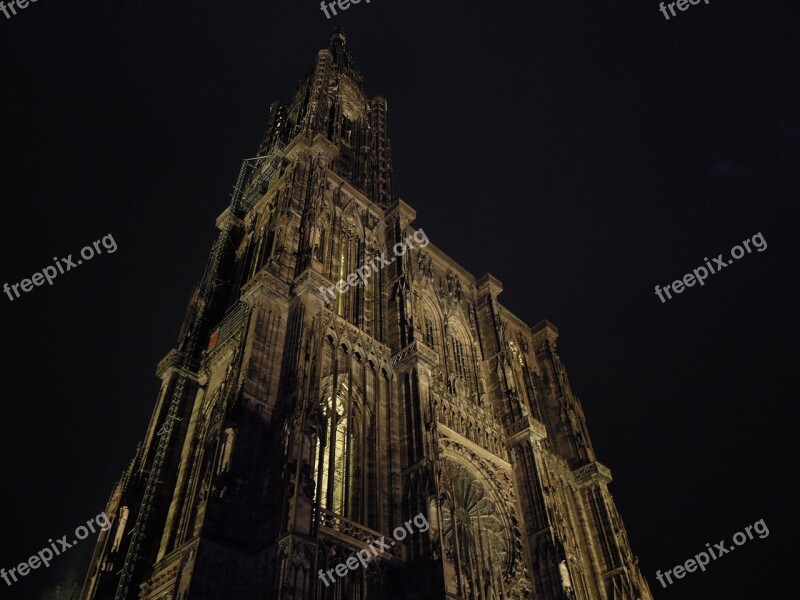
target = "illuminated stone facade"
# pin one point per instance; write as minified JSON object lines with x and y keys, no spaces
{"x":307,"y":429}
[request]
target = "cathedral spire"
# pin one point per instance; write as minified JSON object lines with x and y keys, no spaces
{"x":338,"y":45}
{"x":330,"y":102}
{"x":342,"y":59}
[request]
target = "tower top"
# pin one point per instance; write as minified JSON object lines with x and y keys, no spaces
{"x":330,"y":101}
{"x":338,"y":34}
{"x":341,"y":57}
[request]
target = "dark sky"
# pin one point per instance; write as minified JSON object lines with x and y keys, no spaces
{"x":582,"y":152}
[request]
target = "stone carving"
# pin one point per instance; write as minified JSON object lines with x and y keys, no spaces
{"x":425,"y":266}
{"x":450,"y":289}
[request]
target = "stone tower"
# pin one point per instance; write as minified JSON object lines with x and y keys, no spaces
{"x":312,"y":407}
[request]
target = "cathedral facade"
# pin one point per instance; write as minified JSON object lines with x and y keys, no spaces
{"x":297,"y":426}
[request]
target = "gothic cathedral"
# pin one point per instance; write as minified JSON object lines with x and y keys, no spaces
{"x":308,"y":412}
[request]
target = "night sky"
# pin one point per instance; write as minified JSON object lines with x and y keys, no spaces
{"x":582,"y":152}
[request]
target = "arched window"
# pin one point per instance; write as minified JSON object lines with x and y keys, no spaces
{"x":339,"y":453}
{"x":458,"y":358}
{"x":430,"y":324}
{"x":348,"y":255}
{"x":429,"y":339}
{"x":461,"y":361}
{"x":333,"y":457}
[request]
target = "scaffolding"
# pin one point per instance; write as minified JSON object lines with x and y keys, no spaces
{"x":188,"y":363}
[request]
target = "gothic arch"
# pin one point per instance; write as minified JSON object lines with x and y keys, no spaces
{"x":340,"y":446}
{"x":431,"y":323}
{"x":461,"y":358}
{"x":351,"y":219}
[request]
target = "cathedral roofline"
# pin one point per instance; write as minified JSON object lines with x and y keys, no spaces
{"x":546,"y":329}
{"x":511,"y":316}
{"x":440,"y":254}
{"x":544,"y":324}
{"x":495,"y":286}
{"x":405,"y":208}
{"x":493,"y":283}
